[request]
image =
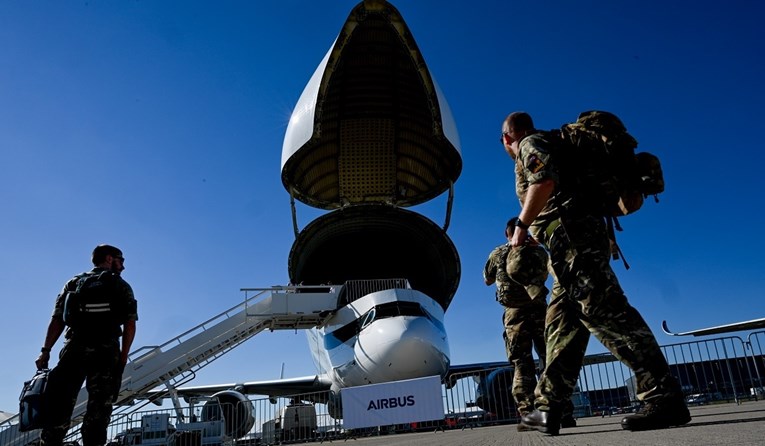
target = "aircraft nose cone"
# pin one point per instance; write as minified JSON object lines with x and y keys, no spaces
{"x":402,"y":348}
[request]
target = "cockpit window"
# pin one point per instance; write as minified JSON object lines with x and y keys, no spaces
{"x":399,"y":308}
{"x":341,"y":335}
{"x":382,"y":311}
{"x":367,"y":318}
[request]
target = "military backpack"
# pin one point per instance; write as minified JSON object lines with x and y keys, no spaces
{"x":600,"y":168}
{"x":95,"y":304}
{"x":601,"y":172}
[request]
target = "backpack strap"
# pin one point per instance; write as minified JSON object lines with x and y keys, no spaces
{"x":612,"y":223}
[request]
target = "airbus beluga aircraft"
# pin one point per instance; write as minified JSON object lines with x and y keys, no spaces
{"x":393,"y":334}
{"x":371,"y":135}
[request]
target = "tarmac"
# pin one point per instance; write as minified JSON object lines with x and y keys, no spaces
{"x":728,"y":424}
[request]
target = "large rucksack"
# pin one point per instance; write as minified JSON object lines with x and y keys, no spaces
{"x":94,"y":303}
{"x":601,"y":169}
{"x":601,"y":172}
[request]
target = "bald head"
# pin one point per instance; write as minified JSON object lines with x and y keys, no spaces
{"x":518,"y":122}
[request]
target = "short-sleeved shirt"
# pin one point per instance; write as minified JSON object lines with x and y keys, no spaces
{"x":535,"y":163}
{"x":122,"y":291}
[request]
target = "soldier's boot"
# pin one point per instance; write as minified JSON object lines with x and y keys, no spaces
{"x":523,"y":428}
{"x":659,"y":414}
{"x":567,"y":420}
{"x":547,"y":422}
{"x":524,"y":408}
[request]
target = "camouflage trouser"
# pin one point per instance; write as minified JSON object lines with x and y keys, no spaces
{"x":99,"y":368}
{"x":593,"y":302}
{"x":524,"y":329}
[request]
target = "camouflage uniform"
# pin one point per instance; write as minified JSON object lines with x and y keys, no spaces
{"x":520,"y":276}
{"x":88,"y":357}
{"x":593,"y":301}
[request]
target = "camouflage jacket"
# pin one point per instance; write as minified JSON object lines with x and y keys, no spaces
{"x":519,"y":273}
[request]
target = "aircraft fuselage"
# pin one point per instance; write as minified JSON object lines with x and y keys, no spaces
{"x":383,"y":336}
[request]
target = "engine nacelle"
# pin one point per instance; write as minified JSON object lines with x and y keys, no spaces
{"x":494,"y":393}
{"x":232,"y":407}
{"x":335,"y":405}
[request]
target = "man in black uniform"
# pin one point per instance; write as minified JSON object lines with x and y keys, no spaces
{"x":96,"y":308}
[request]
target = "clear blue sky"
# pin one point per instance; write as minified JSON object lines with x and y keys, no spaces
{"x":157,"y":126}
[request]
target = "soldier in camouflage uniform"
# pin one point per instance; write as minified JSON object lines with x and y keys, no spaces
{"x":520,"y":275}
{"x":593,"y":301}
{"x":91,"y":355}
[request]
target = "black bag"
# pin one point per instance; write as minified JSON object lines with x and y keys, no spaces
{"x":31,"y":411}
{"x":91,"y":305}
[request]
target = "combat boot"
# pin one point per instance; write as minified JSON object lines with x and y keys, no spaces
{"x":659,"y":414}
{"x":567,"y":421}
{"x":547,"y":422}
{"x":522,"y":427}
{"x":567,"y":410}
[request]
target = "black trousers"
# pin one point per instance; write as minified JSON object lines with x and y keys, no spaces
{"x":98,"y":366}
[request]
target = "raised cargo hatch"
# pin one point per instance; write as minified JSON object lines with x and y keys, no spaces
{"x":380,"y":242}
{"x":371,"y":125}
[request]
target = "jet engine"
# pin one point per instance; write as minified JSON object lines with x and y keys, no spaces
{"x":335,"y":405}
{"x":495,"y":393}
{"x":234,"y":409}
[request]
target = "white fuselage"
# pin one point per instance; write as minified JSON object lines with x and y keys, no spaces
{"x":380,"y":337}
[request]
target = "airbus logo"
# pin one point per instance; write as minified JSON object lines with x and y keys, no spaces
{"x":391,"y":403}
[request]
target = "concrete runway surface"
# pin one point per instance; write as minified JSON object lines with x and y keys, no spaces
{"x":718,"y":424}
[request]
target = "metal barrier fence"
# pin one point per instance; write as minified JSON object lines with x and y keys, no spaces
{"x":755,"y":343}
{"x":355,"y":289}
{"x":726,"y":369}
{"x":257,"y":421}
{"x":721,"y":369}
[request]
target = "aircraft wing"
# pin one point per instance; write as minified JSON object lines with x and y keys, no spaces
{"x":306,"y":384}
{"x":457,"y":372}
{"x":480,"y":369}
{"x":728,"y":328}
{"x":270,"y":388}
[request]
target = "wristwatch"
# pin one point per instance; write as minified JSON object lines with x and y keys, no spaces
{"x":521,"y":224}
{"x":45,"y":350}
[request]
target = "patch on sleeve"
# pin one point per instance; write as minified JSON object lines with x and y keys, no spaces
{"x":534,"y":164}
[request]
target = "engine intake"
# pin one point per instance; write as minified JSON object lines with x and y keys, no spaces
{"x":234,"y":409}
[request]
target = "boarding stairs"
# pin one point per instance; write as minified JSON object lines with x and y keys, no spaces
{"x":176,"y":362}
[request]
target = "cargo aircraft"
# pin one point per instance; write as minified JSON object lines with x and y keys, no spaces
{"x":393,"y":334}
{"x":370,"y":135}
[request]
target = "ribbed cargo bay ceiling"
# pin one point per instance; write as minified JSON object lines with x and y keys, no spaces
{"x":377,"y":133}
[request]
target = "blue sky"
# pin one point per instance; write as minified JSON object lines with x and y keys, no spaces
{"x":157,"y":127}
